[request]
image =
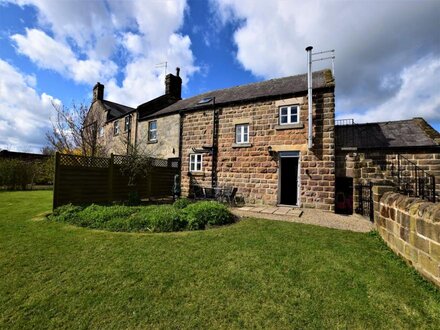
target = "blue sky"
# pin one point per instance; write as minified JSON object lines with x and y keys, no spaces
{"x":387,"y":60}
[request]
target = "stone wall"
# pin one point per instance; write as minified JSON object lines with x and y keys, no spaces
{"x":411,"y":228}
{"x":251,"y":168}
{"x":373,"y":166}
{"x":167,"y":144}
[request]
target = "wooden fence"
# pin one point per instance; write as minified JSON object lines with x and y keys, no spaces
{"x":84,"y":180}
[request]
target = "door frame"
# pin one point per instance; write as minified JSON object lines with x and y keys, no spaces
{"x":290,"y":154}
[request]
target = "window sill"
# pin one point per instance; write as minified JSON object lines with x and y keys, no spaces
{"x":152,"y":142}
{"x":241,"y":145}
{"x":289,"y":126}
{"x":196,"y":173}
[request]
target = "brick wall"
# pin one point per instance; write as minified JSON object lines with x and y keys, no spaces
{"x":411,"y":228}
{"x":252,"y":169}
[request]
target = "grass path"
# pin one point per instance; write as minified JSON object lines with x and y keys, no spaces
{"x":255,"y":273}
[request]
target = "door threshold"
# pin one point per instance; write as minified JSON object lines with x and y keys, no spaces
{"x":291,"y":206}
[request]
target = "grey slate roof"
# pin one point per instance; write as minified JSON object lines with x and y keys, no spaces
{"x":265,"y":89}
{"x":116,"y":110}
{"x":414,"y":132}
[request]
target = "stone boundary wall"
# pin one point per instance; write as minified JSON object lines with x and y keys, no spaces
{"x":411,"y":228}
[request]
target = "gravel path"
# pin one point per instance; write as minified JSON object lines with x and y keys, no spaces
{"x":353,"y":222}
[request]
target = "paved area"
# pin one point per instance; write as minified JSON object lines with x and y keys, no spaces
{"x":353,"y":222}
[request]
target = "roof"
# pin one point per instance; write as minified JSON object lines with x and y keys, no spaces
{"x":116,"y":110}
{"x":414,"y":132}
{"x":261,"y":90}
{"x":148,"y":108}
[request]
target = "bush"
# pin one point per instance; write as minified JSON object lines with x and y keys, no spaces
{"x":66,"y":213}
{"x":97,"y":216}
{"x":202,"y":214}
{"x":181,"y":203}
{"x":161,"y":218}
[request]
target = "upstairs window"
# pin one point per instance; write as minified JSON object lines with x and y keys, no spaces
{"x":289,"y":115}
{"x":116,"y":127}
{"x":127,"y":125}
{"x":242,"y":133}
{"x":195,"y":162}
{"x":101,"y":131}
{"x":152,"y":131}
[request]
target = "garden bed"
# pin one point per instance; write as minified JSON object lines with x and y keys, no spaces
{"x":182,"y":215}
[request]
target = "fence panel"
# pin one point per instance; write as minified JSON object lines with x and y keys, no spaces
{"x":86,"y":180}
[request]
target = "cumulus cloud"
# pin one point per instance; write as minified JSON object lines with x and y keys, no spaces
{"x":376,"y":48}
{"x":50,"y":54}
{"x":25,"y":115}
{"x":116,"y":42}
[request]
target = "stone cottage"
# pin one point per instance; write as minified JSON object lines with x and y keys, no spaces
{"x":254,"y":138}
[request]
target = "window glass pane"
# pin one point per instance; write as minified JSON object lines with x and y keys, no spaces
{"x":199,"y":166}
{"x":283,"y":111}
{"x":283,"y":119}
{"x":294,"y":110}
{"x":246,"y":129}
{"x":293,"y":118}
{"x":245,"y":138}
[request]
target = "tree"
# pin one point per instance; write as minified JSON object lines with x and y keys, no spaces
{"x":74,"y":130}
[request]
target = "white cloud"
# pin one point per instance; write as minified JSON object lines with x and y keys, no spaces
{"x":25,"y":115}
{"x":418,"y":95}
{"x":50,"y":54}
{"x":98,"y":31}
{"x":373,"y":46}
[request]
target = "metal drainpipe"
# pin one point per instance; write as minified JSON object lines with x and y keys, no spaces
{"x":309,"y":91}
{"x":214,"y":144}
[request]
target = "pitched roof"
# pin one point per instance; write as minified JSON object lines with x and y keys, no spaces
{"x":116,"y":110}
{"x":150,"y":107}
{"x":265,"y":89}
{"x":414,"y":132}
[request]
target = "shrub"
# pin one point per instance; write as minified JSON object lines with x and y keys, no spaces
{"x":162,"y":218}
{"x":66,"y":213}
{"x":97,"y":216}
{"x":181,"y":203}
{"x":201,"y":214}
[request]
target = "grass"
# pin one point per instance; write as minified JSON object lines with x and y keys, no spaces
{"x":253,"y":274}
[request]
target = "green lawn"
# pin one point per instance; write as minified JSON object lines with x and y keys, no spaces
{"x":253,"y":274}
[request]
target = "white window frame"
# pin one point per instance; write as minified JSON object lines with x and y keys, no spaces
{"x":242,"y":133}
{"x":195,"y":162}
{"x":116,"y":129}
{"x":101,"y":131}
{"x":127,"y":123}
{"x":151,"y":131}
{"x":289,"y":114}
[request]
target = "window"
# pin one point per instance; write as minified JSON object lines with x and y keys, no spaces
{"x":127,"y":126}
{"x":289,"y":115}
{"x":242,"y":133}
{"x":195,"y":162}
{"x":116,"y":127}
{"x":101,"y":131}
{"x":152,"y":130}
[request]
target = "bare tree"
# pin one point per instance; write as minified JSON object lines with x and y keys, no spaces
{"x":74,"y":130}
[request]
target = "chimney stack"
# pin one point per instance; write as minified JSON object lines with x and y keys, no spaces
{"x":173,"y":85}
{"x":98,"y":92}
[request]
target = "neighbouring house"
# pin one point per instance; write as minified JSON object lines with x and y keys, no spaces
{"x":405,"y":153}
{"x":119,"y":126}
{"x":113,"y":123}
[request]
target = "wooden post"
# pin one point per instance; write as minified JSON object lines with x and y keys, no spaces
{"x":56,"y":181}
{"x":110,"y":179}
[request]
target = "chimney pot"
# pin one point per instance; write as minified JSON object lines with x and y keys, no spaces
{"x":177,"y":71}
